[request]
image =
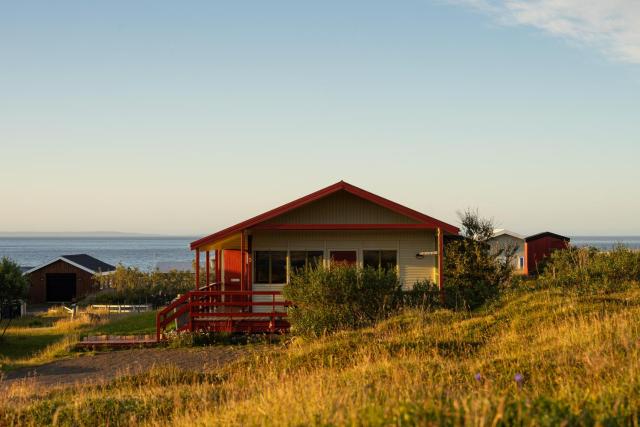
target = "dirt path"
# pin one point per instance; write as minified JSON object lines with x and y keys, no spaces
{"x":106,"y":366}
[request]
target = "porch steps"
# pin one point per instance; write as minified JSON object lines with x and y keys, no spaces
{"x":116,"y":342}
{"x":263,"y":312}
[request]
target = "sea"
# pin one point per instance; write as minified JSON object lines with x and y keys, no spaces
{"x":142,"y":252}
{"x":147,"y":253}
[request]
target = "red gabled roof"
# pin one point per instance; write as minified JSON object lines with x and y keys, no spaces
{"x":546,"y":234}
{"x":339,"y":186}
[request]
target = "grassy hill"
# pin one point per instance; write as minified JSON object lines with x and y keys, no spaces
{"x":534,"y":358}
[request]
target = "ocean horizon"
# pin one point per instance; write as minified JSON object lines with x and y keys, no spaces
{"x":145,"y":252}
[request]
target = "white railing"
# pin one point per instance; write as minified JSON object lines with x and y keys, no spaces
{"x":122,"y":308}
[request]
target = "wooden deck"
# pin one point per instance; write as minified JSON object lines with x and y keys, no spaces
{"x":225,"y":311}
{"x":117,"y":341}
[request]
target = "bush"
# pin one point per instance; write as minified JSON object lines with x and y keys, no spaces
{"x":424,"y":295}
{"x":13,"y":285}
{"x":329,"y":299}
{"x":209,"y":338}
{"x":128,"y":285}
{"x":474,"y":274}
{"x":591,"y":270}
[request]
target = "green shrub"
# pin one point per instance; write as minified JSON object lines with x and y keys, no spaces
{"x":424,"y":295}
{"x":340,"y":297}
{"x":474,"y":273}
{"x":197,"y":339}
{"x":13,"y":285}
{"x":591,"y":270}
{"x":128,"y":285}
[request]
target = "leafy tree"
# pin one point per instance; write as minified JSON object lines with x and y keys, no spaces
{"x":13,"y":285}
{"x":474,"y":273}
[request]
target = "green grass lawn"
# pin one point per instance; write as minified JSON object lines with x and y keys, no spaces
{"x":130,"y":324}
{"x":18,"y":346}
{"x":34,"y":340}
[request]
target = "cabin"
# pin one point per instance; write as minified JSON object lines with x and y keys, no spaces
{"x":507,"y":240}
{"x":253,"y":259}
{"x":540,"y":246}
{"x":65,"y":278}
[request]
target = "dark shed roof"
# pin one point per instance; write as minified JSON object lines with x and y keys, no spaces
{"x":89,"y":262}
{"x":546,"y":234}
{"x":82,"y":261}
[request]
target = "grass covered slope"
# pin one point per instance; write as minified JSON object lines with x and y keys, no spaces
{"x":34,"y":340}
{"x":578,"y":358}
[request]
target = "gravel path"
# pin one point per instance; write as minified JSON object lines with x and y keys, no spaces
{"x":106,"y":366}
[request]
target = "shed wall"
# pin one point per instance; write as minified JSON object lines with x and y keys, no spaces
{"x":38,"y":281}
{"x":537,"y":250}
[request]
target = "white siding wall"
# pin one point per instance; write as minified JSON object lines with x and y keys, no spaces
{"x":407,"y":243}
{"x":507,"y":242}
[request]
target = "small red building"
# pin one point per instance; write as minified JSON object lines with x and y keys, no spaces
{"x":540,"y":246}
{"x":65,"y":278}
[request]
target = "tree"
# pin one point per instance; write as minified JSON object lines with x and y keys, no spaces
{"x":475,"y":272}
{"x":13,"y":285}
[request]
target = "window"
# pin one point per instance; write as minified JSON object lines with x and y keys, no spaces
{"x":344,"y":257}
{"x":270,"y":266}
{"x":521,"y":263}
{"x":387,"y":260}
{"x":305,"y":259}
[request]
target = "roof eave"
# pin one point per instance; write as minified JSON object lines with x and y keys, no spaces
{"x":60,"y":258}
{"x":319,"y":195}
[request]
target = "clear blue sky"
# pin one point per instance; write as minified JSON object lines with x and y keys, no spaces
{"x":185,"y":117}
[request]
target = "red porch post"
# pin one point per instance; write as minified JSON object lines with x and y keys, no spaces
{"x":197,"y":268}
{"x":207,"y":267}
{"x":218,"y":264}
{"x":440,"y":263}
{"x":250,"y":262}
{"x":242,"y":276}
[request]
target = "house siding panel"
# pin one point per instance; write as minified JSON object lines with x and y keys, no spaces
{"x":342,"y":208}
{"x":406,"y":242}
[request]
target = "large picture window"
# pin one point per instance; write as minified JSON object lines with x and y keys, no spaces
{"x":270,"y":266}
{"x":305,"y":259}
{"x":378,"y":259}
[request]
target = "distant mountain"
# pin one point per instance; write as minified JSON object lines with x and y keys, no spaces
{"x":75,"y":234}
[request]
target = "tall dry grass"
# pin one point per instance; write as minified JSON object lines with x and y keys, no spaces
{"x":577,"y":360}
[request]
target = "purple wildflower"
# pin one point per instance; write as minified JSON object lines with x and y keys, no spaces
{"x":519,"y":379}
{"x":478,"y":377}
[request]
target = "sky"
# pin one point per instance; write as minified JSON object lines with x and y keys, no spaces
{"x":186,"y":117}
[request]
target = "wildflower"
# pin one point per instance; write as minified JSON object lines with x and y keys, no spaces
{"x":478,"y":377}
{"x":519,"y":379}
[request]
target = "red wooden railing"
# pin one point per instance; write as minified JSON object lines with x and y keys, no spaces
{"x":230,"y":311}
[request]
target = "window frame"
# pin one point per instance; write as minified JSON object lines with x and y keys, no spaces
{"x":380,"y":251}
{"x":270,"y":272}
{"x":306,"y":259}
